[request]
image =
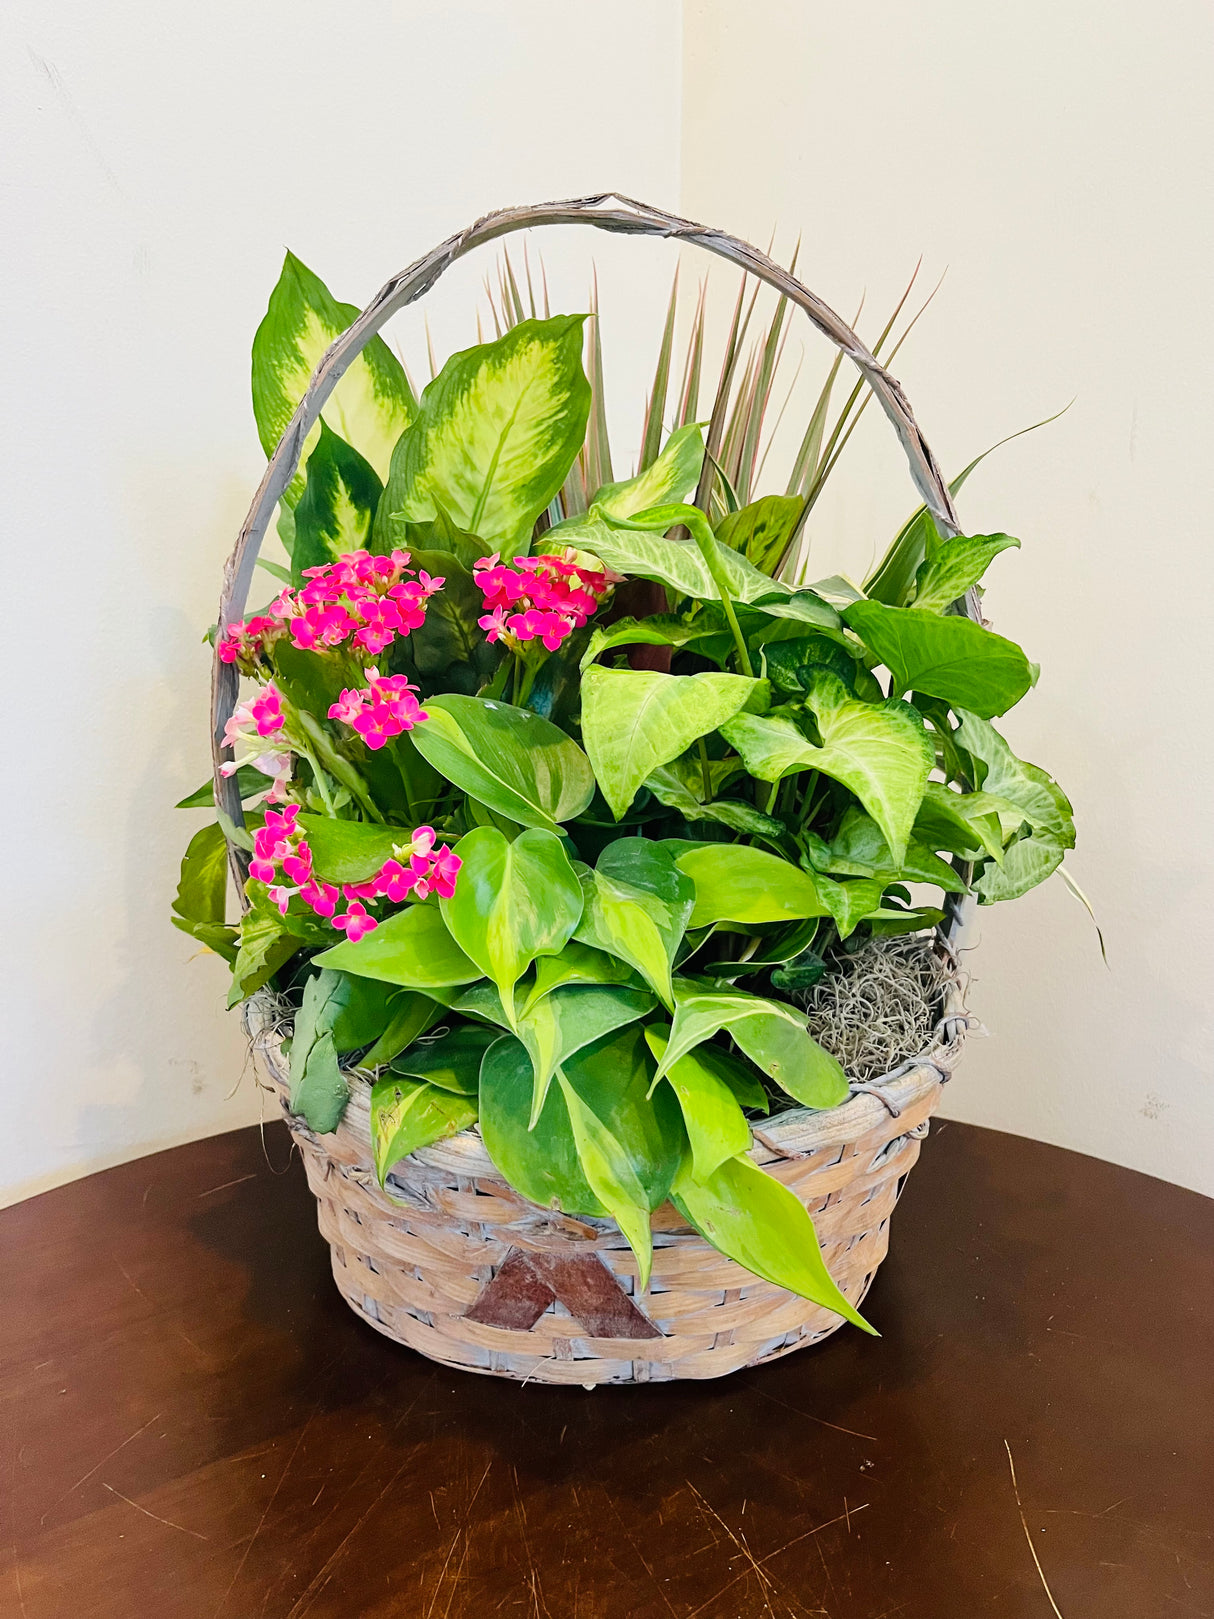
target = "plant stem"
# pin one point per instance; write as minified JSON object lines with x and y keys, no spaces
{"x":772,"y":796}
{"x":705,"y":770}
{"x":337,"y":765}
{"x":321,"y":780}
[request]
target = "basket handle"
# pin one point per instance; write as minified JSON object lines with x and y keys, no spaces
{"x":609,"y":212}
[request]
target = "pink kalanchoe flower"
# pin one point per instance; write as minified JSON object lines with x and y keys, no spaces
{"x":322,"y":897}
{"x":494,"y":624}
{"x":355,"y":923}
{"x":265,"y":710}
{"x":281,"y":896}
{"x":393,"y":882}
{"x":298,"y":865}
{"x":348,"y":707}
{"x":264,"y":870}
{"x":352,"y":891}
{"x":444,"y":870}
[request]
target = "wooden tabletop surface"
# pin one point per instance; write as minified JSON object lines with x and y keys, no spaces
{"x":196,"y":1427}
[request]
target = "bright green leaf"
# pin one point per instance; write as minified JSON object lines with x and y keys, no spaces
{"x":407,"y":1114}
{"x":946,"y":656}
{"x":351,"y":851}
{"x":412,"y":948}
{"x":953,"y":566}
{"x":567,"y":1019}
{"x":737,"y":883}
{"x":716,"y":1126}
{"x":1044,"y":805}
{"x":575,"y":964}
{"x":202,"y":890}
{"x":637,"y":905}
{"x":672,"y":476}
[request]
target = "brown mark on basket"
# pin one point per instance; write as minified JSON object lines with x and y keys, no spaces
{"x":528,"y":1284}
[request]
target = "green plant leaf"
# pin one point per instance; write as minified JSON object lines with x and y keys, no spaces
{"x":716,"y":1126}
{"x":1026,"y":862}
{"x":576,"y":964}
{"x":944,"y":655}
{"x":637,"y":904}
{"x":450,"y":648}
{"x":371,"y":405}
{"x":266,"y":944}
{"x":773,"y":1035}
{"x":565,"y":1020}
{"x":1044,"y":805}
{"x":497,"y":431}
{"x":634,"y":720}
{"x":672,"y":476}
{"x":338,"y":1014}
{"x":513,"y":901}
{"x":859,"y":849}
{"x":793,"y":665}
{"x":452,"y":1061}
{"x":249,"y":781}
{"x":661,"y":630}
{"x":951,"y":567}
{"x":613,"y":1179}
{"x":350,"y":851}
{"x":750,"y":1217}
{"x":963,"y":823}
{"x":507,"y":758}
{"x":737,"y":883}
{"x":203,"y":887}
{"x":337,"y":507}
{"x":761,"y":532}
{"x":412,"y":948}
{"x":542,"y":1162}
{"x":410,"y":1014}
{"x":673,"y":790}
{"x":407,"y":1114}
{"x":881,"y":751}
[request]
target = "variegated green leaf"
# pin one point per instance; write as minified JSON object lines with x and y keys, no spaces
{"x":497,"y":431}
{"x":671,"y":477}
{"x":337,"y":507}
{"x":371,"y":405}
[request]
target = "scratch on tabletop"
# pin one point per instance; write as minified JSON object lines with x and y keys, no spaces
{"x":1202,"y":1613}
{"x":1024,"y":1525}
{"x":134,"y":1284}
{"x":239,"y":1181}
{"x":455,"y":1540}
{"x":155,"y":1516}
{"x":17,"y":1577}
{"x":266,"y":1512}
{"x":532,"y":1574}
{"x":325,"y":1573}
{"x":638,"y":1553}
{"x":128,"y":1440}
{"x":779,"y":1551}
{"x":854,"y":1432}
{"x":766,"y":1584}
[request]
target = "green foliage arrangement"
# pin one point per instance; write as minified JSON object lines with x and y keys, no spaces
{"x":558,"y":787}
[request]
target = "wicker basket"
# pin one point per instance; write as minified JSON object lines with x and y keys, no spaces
{"x":450,"y":1260}
{"x":453,"y":1262}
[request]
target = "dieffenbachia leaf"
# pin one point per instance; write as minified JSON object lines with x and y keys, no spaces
{"x":412,"y":948}
{"x":371,"y":405}
{"x":945,"y":656}
{"x":953,"y":566}
{"x":496,"y":433}
{"x":514,"y":900}
{"x":749,"y":1216}
{"x":716,"y":1126}
{"x":337,"y":507}
{"x":762,"y":531}
{"x":409,"y":1113}
{"x":881,"y":751}
{"x":637,"y":904}
{"x":772,"y":1034}
{"x":516,"y":763}
{"x":672,"y":476}
{"x":634,"y":720}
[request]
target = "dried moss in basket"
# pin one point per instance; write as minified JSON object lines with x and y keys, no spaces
{"x":545,"y":769}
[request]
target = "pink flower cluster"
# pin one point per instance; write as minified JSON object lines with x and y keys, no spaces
{"x":364,"y":599}
{"x":539,"y":598}
{"x":418,"y":869}
{"x":383,"y":708}
{"x":255,"y":735}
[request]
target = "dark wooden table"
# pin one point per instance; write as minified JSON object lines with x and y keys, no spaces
{"x":196,"y":1427}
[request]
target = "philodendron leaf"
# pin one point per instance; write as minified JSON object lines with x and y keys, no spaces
{"x":763,"y":530}
{"x":541,"y":1162}
{"x":337,"y":507}
{"x":371,"y":405}
{"x":452,"y":1061}
{"x":576,"y":964}
{"x":1025,"y":863}
{"x":266,"y":944}
{"x":716,"y":1126}
{"x":513,"y":901}
{"x":737,"y":883}
{"x":673,"y":791}
{"x":749,"y":1216}
{"x":881,"y":751}
{"x":412,"y":948}
{"x":408,"y":1113}
{"x":661,"y":630}
{"x":567,"y":1019}
{"x":634,"y":720}
{"x":943,"y":655}
{"x":513,"y":761}
{"x":497,"y":431}
{"x":953,"y":566}
{"x":350,"y":851}
{"x":637,"y":905}
{"x":962,"y":823}
{"x":672,"y":476}
{"x":410,"y":1014}
{"x":772,"y":1034}
{"x":859,"y":849}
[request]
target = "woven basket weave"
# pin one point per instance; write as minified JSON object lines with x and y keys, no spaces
{"x":450,"y":1260}
{"x":415,"y":1259}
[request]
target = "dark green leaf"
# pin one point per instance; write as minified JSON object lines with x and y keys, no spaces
{"x":337,"y":507}
{"x":452,"y":1062}
{"x":763,"y":530}
{"x":565,"y":1020}
{"x":249,"y":781}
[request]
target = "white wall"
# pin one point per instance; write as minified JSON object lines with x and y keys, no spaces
{"x":156,"y":160}
{"x":1057,"y":159}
